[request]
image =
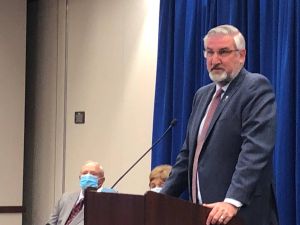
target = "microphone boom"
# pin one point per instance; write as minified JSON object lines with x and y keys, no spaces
{"x":172,"y":124}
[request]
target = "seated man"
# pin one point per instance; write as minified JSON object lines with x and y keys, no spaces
{"x":158,"y":176}
{"x":69,"y":209}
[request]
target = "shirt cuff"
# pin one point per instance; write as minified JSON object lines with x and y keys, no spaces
{"x":234,"y":202}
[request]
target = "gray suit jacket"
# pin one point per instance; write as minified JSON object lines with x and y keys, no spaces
{"x":63,"y":209}
{"x":236,"y":158}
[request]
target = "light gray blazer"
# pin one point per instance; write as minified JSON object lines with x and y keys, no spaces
{"x":63,"y":209}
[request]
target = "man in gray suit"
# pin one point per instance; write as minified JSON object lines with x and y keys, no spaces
{"x":231,"y":131}
{"x":91,"y":175}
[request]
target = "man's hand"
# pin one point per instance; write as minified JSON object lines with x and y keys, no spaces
{"x":221,"y":213}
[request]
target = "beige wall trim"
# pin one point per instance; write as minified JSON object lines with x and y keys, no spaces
{"x":61,"y":90}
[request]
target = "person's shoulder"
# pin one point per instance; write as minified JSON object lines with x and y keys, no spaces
{"x":67,"y":195}
{"x":255,"y":77}
{"x":205,"y":89}
{"x":256,"y":84}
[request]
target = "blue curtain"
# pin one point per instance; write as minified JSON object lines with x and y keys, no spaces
{"x":271,"y":29}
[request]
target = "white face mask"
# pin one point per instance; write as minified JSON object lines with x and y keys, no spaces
{"x":156,"y":189}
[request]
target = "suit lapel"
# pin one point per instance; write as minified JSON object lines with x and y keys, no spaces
{"x":200,"y":112}
{"x":231,"y":90}
{"x":78,"y":218}
{"x":69,"y":206}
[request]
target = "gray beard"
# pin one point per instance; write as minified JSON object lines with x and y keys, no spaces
{"x":221,"y":79}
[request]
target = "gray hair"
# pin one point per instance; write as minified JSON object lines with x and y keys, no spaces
{"x":227,"y":30}
{"x":96,"y":164}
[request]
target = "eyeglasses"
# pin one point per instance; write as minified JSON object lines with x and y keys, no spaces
{"x":221,"y":52}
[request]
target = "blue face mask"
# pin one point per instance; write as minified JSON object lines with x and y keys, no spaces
{"x":88,"y":180}
{"x":156,"y":189}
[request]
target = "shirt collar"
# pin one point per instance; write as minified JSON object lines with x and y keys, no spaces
{"x":81,"y":196}
{"x":224,"y":88}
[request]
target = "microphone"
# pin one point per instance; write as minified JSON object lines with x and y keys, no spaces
{"x":172,"y":124}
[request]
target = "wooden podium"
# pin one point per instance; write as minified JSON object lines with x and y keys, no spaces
{"x":149,"y":209}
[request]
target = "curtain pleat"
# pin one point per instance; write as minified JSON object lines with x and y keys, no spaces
{"x":272,"y":32}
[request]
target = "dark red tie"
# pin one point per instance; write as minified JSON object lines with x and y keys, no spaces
{"x":201,"y":138}
{"x":76,"y":209}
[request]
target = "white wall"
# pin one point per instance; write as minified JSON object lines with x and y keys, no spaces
{"x":12,"y":99}
{"x":112,"y":48}
{"x":102,"y":61}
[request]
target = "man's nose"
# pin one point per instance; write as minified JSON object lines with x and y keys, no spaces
{"x":215,"y":59}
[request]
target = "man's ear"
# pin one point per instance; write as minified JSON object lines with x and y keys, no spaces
{"x":242,"y":56}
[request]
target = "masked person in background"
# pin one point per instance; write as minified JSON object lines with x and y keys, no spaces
{"x":158,"y":176}
{"x":69,"y":209}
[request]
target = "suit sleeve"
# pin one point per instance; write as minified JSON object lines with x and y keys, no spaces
{"x":178,"y":179}
{"x":53,"y":220}
{"x":258,"y":135}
